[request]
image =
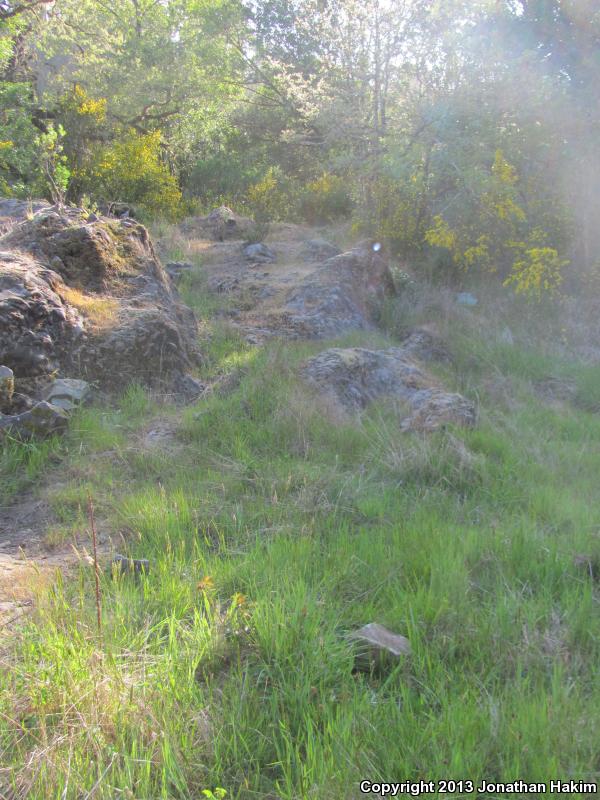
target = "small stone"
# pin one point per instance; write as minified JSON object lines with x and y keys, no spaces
{"x":68,"y":392}
{"x":506,"y":336}
{"x":378,"y":646}
{"x":7,"y":387}
{"x":121,"y":565}
{"x":466,"y":299}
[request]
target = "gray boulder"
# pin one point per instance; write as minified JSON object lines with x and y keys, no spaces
{"x":259,"y":253}
{"x":44,"y":419}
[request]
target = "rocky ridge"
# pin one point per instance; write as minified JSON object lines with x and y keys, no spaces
{"x":301,"y":287}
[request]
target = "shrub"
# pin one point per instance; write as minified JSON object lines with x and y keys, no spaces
{"x":499,"y":237}
{"x":325,"y":200}
{"x":536,"y":272}
{"x":268,"y":199}
{"x":20,"y":171}
{"x":390,"y":211}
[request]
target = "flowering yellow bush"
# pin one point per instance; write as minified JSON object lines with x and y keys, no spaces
{"x":442,"y":235}
{"x":538,"y":271}
{"x":131,"y":170}
{"x":500,"y":236}
{"x":267,"y":199}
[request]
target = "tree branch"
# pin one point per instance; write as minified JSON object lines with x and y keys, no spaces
{"x":6,"y":11}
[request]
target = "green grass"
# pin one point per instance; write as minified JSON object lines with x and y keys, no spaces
{"x":274,"y":528}
{"x":22,"y":463}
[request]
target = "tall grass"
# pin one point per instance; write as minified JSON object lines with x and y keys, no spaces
{"x":274,"y":526}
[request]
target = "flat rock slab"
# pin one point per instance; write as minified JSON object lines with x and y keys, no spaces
{"x":377,"y":646}
{"x":354,"y":377}
{"x":319,"y":250}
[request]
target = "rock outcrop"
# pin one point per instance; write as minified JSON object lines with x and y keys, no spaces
{"x":291,"y":286}
{"x":317,"y":300}
{"x":344,"y":293}
{"x":87,"y":300}
{"x":354,"y":377}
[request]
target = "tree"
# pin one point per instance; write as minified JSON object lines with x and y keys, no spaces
{"x":10,"y":9}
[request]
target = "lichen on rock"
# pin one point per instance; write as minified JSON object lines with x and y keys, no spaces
{"x":355,"y":377}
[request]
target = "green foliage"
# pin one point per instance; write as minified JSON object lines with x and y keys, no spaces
{"x":324,"y":200}
{"x":20,"y":169}
{"x":268,"y":199}
{"x":53,"y":162}
{"x":499,"y":237}
{"x":22,"y":464}
{"x":391,"y":211}
{"x":278,"y":197}
{"x":537,"y":272}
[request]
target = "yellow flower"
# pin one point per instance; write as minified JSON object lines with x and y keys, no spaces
{"x":206,"y":584}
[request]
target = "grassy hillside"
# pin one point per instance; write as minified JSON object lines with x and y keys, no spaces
{"x":273,"y":527}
